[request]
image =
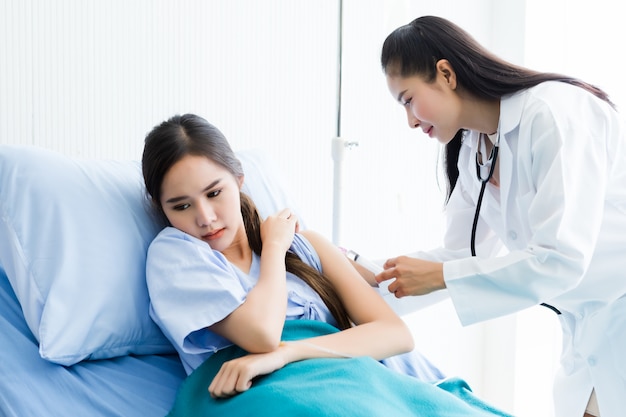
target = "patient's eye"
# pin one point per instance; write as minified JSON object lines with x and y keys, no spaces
{"x":181,"y":207}
{"x":214,"y":193}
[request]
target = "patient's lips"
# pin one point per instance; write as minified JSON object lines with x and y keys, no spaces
{"x":214,"y":234}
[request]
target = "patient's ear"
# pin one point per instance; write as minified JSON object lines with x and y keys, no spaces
{"x":240,"y":181}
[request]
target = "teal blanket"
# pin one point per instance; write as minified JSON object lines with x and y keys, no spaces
{"x":355,"y":387}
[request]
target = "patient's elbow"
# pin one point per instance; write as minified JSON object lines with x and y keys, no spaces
{"x":410,"y":345}
{"x":261,"y":340}
{"x":407,"y":342}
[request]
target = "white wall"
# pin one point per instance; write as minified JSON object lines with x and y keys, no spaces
{"x":579,"y":38}
{"x":90,"y":78}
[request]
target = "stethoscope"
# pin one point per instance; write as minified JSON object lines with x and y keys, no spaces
{"x":493,"y":157}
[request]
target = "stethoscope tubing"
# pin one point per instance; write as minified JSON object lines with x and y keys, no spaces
{"x":492,"y":158}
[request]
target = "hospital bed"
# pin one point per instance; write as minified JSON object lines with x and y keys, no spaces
{"x":75,"y":331}
{"x":75,"y":335}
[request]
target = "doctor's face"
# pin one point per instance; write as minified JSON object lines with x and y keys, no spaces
{"x":431,"y":106}
{"x":201,"y":198}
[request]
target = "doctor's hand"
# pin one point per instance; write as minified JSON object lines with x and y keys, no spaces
{"x":412,"y":276}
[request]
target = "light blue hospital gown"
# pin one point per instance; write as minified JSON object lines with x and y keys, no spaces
{"x":192,"y":287}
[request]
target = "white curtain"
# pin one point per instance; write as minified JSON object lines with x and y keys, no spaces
{"x":90,"y":78}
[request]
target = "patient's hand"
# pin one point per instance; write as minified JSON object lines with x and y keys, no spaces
{"x":278,"y":229}
{"x":236,"y":376}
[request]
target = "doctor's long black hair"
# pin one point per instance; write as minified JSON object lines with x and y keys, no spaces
{"x":415,"y":48}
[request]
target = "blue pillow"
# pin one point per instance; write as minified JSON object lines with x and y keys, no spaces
{"x":73,"y":240}
{"x":266,"y":184}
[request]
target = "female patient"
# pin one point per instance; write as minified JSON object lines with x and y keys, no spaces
{"x":220,"y":277}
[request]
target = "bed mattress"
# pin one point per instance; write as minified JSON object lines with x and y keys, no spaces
{"x":31,"y":386}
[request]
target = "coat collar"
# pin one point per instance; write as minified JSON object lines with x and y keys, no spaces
{"x":511,"y":109}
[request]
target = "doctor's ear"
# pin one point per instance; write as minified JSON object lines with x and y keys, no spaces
{"x":445,"y":70}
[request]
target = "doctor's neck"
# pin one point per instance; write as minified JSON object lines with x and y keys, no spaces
{"x":482,"y":116}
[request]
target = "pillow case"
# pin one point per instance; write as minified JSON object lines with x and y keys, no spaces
{"x":266,"y":184}
{"x":73,"y":240}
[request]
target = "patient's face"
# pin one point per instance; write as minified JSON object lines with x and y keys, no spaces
{"x":201,"y":198}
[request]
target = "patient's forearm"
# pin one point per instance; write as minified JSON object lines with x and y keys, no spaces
{"x":367,"y":275}
{"x":257,"y":324}
{"x":380,"y":339}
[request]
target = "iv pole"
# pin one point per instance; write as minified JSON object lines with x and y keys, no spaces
{"x":339,"y":144}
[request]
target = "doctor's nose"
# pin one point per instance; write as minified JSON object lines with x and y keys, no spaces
{"x":414,"y":123}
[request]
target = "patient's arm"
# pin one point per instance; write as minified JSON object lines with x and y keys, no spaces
{"x":367,"y":275}
{"x":257,"y":324}
{"x":378,"y":331}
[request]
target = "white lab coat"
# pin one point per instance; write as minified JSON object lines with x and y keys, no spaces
{"x":560,"y":212}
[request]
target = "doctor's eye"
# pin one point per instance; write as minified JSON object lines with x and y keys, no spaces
{"x":407,"y":102}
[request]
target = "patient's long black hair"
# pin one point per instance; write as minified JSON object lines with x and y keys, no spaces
{"x":415,"y":48}
{"x":190,"y":134}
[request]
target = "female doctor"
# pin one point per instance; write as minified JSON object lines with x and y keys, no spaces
{"x":535,"y":162}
